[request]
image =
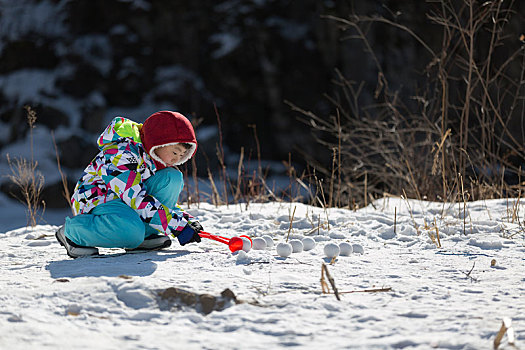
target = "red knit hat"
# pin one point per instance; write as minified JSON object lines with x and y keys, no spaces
{"x":166,"y":128}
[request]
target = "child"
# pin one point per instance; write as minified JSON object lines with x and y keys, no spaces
{"x":127,"y":197}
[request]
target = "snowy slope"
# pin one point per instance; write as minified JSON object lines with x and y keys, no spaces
{"x":449,"y":297}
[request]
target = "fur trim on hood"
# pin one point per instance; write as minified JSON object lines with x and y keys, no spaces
{"x":166,"y":128}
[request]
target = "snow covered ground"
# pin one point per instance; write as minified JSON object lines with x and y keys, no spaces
{"x":453,"y":297}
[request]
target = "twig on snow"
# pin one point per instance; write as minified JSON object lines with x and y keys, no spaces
{"x":468,"y":273}
{"x":291,"y":223}
{"x":506,"y":327}
{"x":374,"y":290}
{"x":324,"y":286}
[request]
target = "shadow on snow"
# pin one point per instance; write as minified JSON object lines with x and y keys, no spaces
{"x":112,"y":265}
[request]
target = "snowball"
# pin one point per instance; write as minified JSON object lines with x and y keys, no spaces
{"x":358,"y":248}
{"x":246,"y":244}
{"x":345,"y":248}
{"x":259,"y":243}
{"x":331,"y":250}
{"x":242,"y":257}
{"x":269,"y":241}
{"x":284,"y":249}
{"x":308,"y":243}
{"x":297,"y":245}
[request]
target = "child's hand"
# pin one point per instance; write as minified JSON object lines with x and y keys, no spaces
{"x":196,"y":226}
{"x":189,"y":235}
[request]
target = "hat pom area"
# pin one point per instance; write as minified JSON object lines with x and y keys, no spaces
{"x":166,"y":128}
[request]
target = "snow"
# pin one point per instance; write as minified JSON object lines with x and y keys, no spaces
{"x":259,"y":243}
{"x":308,"y":243}
{"x":43,"y":150}
{"x":331,"y":250}
{"x":288,"y":29}
{"x":297,"y":245}
{"x":95,"y":49}
{"x":177,"y":78}
{"x":227,"y":42}
{"x":139,"y":4}
{"x":284,"y":249}
{"x":139,"y":113}
{"x":28,"y":84}
{"x":269,"y":241}
{"x":23,"y":17}
{"x":401,"y":291}
{"x":345,"y":248}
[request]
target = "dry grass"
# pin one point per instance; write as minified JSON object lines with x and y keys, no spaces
{"x":27,"y":178}
{"x":63,"y":178}
{"x":30,"y":181}
{"x":449,"y":141}
{"x":245,"y":184}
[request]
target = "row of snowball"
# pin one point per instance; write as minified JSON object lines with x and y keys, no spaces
{"x":307,"y":243}
{"x":332,"y":250}
{"x":294,"y":246}
{"x":285,"y":249}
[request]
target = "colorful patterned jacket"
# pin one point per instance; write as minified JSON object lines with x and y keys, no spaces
{"x":118,"y":172}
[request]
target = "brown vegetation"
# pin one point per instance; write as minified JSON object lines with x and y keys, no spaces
{"x":453,"y":139}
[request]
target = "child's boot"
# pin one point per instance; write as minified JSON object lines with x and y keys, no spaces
{"x":73,"y":250}
{"x":153,"y":242}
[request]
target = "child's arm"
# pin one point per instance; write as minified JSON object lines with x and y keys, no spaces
{"x":193,"y":222}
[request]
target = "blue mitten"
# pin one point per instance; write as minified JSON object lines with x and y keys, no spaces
{"x":193,"y":223}
{"x":188,"y":235}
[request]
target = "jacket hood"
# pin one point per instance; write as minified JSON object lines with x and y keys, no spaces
{"x":120,"y":128}
{"x":167,"y":128}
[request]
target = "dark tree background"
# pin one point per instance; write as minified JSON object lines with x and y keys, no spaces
{"x":244,"y":57}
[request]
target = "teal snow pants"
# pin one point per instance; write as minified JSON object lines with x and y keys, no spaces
{"x":116,"y":225}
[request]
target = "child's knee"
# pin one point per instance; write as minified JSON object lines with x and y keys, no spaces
{"x":177,"y":179}
{"x":173,"y":176}
{"x":166,"y":185}
{"x":164,"y":179}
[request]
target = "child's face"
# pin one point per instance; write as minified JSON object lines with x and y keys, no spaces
{"x":171,"y":154}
